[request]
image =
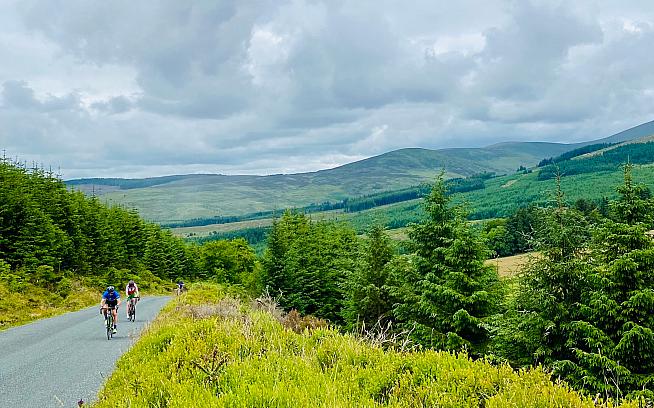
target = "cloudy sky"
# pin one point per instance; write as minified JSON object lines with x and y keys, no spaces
{"x":144,"y":88}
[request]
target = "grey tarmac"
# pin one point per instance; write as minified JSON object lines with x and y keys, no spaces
{"x":58,"y":361}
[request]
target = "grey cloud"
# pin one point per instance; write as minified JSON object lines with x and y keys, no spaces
{"x":18,"y":95}
{"x":114,"y":105}
{"x":235,"y":86}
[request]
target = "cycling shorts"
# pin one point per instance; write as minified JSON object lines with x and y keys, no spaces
{"x":130,"y":297}
{"x":111,"y":303}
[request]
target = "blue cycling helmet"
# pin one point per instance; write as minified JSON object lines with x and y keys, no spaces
{"x":110,"y":288}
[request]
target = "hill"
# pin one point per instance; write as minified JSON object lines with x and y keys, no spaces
{"x":183,"y":197}
{"x":591,"y":176}
{"x":176,"y":198}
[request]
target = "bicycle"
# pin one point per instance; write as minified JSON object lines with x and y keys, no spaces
{"x":109,"y":318}
{"x":131,"y":309}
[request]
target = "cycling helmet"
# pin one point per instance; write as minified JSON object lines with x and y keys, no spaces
{"x":131,"y":283}
{"x":110,"y":288}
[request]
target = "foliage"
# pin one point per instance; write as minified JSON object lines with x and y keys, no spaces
{"x":453,"y":291}
{"x":537,"y":329}
{"x":614,"y":344}
{"x":247,"y":359}
{"x":608,"y":160}
{"x":368,"y":299}
{"x":584,"y":308}
{"x":574,"y":153}
{"x":307,"y":263}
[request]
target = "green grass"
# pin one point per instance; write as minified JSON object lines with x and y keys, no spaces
{"x":28,"y":303}
{"x":207,"y":350}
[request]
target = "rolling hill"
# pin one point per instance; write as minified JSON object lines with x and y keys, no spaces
{"x":592,"y":176}
{"x":183,"y":197}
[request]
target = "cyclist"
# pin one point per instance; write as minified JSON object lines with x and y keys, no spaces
{"x":110,"y":298}
{"x":132,"y":293}
{"x":180,"y":287}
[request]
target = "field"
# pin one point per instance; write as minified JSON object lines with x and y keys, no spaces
{"x":210,"y":350}
{"x":509,"y":266}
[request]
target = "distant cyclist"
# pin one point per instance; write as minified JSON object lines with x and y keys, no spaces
{"x":180,"y":287}
{"x":110,"y":299}
{"x":132,"y":291}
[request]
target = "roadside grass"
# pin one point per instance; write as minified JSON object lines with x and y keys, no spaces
{"x":208,"y":349}
{"x":22,"y":301}
{"x":34,"y":302}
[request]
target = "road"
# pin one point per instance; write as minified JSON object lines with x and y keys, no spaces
{"x":55,"y":362}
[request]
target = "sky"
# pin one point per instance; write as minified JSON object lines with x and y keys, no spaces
{"x":146,"y":88}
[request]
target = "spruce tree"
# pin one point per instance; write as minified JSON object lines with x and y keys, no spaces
{"x":368,"y":298}
{"x":455,"y":291}
{"x":551,"y":287}
{"x":614,"y":345}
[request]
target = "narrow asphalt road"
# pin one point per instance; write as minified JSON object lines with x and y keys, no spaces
{"x":55,"y":362}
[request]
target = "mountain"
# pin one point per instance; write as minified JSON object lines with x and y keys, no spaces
{"x":636,"y":132}
{"x":183,"y":197}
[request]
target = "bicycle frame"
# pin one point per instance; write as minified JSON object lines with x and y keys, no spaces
{"x":109,"y":317}
{"x":131,"y":309}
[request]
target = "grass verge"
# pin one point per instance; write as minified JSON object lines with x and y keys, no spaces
{"x":34,"y":302}
{"x":207,"y":349}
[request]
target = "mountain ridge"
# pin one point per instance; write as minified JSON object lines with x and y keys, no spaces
{"x":176,"y":198}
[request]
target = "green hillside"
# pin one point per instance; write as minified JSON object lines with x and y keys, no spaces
{"x":591,"y":176}
{"x":175,"y":198}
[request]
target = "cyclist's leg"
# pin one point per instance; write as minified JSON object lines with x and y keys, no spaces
{"x":129,"y":304}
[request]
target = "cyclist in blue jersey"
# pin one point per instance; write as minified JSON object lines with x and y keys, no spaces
{"x":110,"y":299}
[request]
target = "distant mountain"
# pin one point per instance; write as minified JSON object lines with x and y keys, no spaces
{"x":636,"y":132}
{"x":183,"y":197}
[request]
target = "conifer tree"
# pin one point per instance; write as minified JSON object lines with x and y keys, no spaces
{"x":369,"y":300}
{"x":282,"y":235}
{"x":614,"y":345}
{"x":550,"y":290}
{"x":454,"y":291}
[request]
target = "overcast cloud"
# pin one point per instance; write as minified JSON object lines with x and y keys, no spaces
{"x":131,"y":89}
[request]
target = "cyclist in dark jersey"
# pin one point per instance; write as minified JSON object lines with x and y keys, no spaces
{"x":110,"y":299}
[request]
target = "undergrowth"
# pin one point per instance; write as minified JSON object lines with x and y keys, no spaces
{"x":23,"y":298}
{"x":208,"y":349}
{"x":34,"y":302}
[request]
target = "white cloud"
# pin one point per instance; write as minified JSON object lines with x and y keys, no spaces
{"x":133,"y":88}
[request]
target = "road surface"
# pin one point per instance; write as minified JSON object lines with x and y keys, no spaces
{"x":58,"y":361}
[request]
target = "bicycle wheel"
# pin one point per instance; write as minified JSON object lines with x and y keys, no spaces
{"x":132,"y":312}
{"x":110,"y":324}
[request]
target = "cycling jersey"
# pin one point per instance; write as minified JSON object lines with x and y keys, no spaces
{"x":111,"y":297}
{"x":132,"y":291}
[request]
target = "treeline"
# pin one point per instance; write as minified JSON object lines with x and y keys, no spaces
{"x":355,"y":204}
{"x":49,"y":233}
{"x":515,"y":234}
{"x":126,"y":184}
{"x":583,"y":308}
{"x":43,"y":224}
{"x":574,"y":153}
{"x":610,"y":160}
